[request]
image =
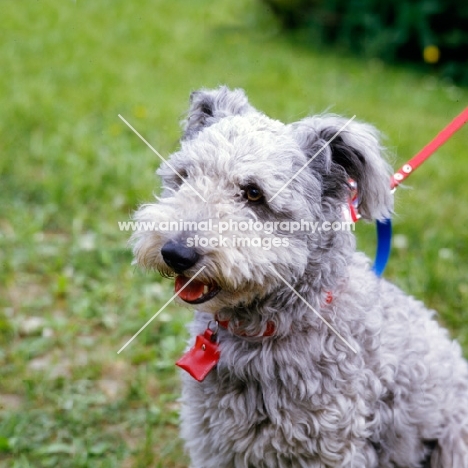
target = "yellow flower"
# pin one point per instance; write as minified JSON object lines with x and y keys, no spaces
{"x":139,"y":112}
{"x":431,"y":54}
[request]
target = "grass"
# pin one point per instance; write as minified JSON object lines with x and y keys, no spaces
{"x":70,"y":169}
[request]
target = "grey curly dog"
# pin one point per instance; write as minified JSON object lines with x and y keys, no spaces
{"x":314,"y":361}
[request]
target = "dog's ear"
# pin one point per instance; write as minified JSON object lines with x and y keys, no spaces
{"x":355,"y":153}
{"x":209,"y":106}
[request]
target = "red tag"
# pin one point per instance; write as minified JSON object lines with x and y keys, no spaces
{"x":200,"y":359}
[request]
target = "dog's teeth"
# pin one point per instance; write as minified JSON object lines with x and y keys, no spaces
{"x":205,"y":289}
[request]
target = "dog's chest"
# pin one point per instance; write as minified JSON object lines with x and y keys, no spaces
{"x":259,"y":404}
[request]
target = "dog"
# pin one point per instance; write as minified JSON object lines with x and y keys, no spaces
{"x":311,"y":360}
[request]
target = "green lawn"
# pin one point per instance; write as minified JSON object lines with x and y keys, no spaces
{"x":70,"y":169}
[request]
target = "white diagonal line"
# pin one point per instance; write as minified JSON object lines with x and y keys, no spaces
{"x":313,"y":157}
{"x":160,"y":310}
{"x":157,"y":154}
{"x":313,"y":310}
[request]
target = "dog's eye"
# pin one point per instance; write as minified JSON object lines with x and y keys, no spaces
{"x":253,"y":194}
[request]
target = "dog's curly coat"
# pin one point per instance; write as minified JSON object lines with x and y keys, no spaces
{"x":302,"y":398}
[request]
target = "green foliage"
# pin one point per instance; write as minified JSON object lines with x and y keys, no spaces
{"x":430,"y":33}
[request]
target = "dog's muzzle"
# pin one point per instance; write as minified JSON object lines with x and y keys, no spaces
{"x":178,"y":256}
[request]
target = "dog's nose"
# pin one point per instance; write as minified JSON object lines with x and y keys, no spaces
{"x":178,"y":256}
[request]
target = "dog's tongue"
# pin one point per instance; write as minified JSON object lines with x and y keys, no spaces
{"x":192,"y":292}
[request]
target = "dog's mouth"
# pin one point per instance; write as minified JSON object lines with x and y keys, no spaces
{"x":196,"y":292}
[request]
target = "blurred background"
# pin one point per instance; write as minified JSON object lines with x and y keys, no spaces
{"x":70,"y":170}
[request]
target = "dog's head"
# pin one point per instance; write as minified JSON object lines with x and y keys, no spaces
{"x":239,"y":192}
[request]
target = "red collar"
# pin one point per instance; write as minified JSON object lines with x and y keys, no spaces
{"x":270,"y":326}
{"x":205,"y":353}
{"x":269,"y":331}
